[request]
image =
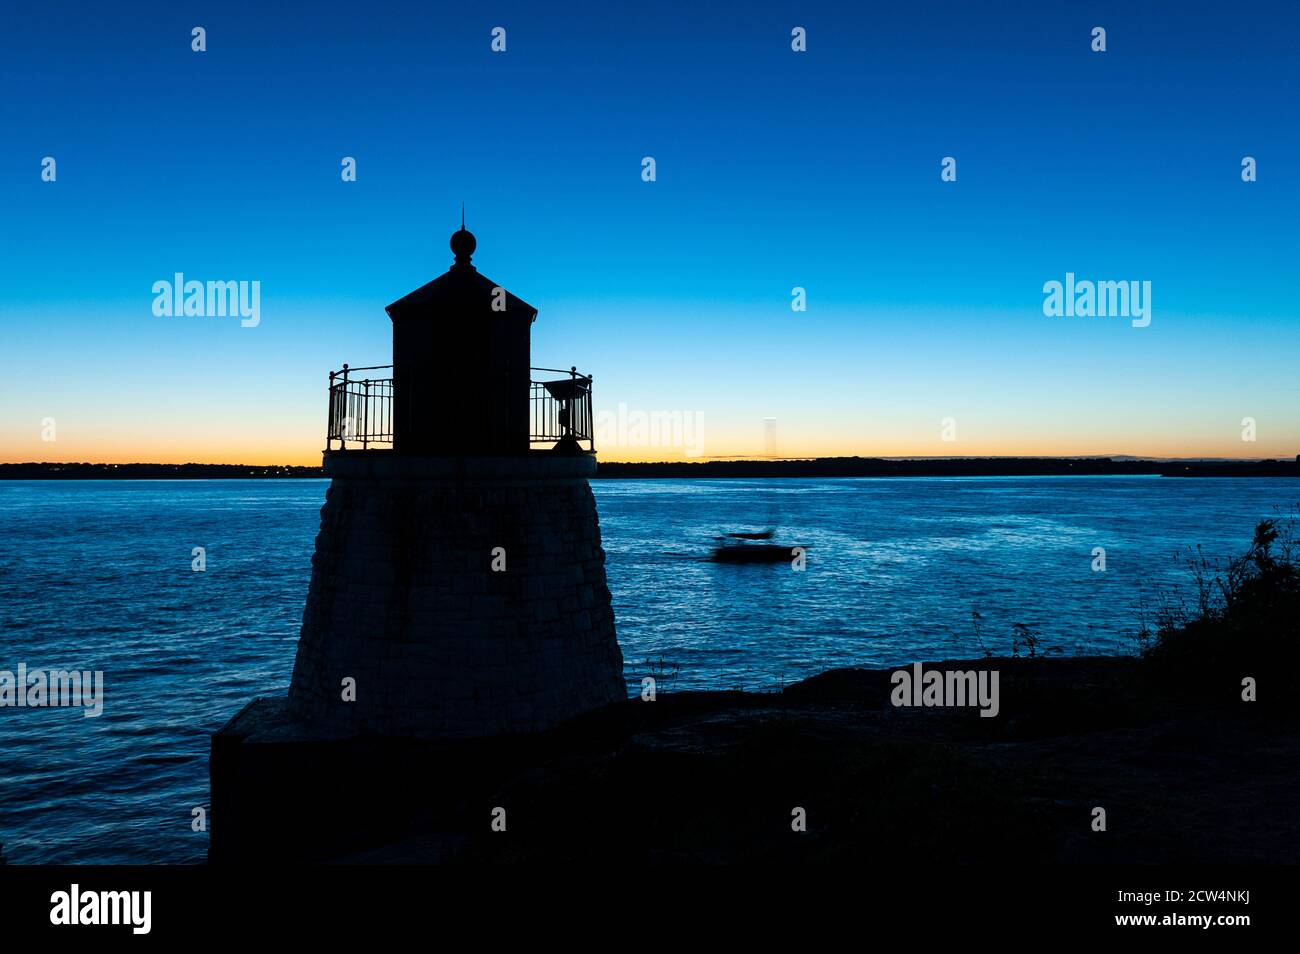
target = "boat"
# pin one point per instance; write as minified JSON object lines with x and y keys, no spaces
{"x":744,"y":548}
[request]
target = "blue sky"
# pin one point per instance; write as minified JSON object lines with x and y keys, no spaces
{"x":775,"y":169}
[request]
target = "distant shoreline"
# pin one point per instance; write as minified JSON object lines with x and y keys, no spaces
{"x":817,"y":467}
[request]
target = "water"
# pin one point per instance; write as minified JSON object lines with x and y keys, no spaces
{"x":97,"y":575}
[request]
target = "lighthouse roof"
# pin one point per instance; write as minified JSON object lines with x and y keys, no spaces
{"x":461,"y":289}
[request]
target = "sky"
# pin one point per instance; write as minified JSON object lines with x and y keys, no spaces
{"x":774,"y":170}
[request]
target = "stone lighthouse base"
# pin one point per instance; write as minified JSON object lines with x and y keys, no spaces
{"x":456,"y":597}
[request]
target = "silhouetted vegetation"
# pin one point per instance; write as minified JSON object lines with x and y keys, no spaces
{"x":1244,"y":621}
{"x":1024,"y":639}
{"x":663,"y":672}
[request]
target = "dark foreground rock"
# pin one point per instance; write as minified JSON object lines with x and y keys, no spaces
{"x":715,"y":776}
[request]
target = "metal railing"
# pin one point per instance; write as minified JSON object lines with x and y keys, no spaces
{"x":561,"y":410}
{"x":361,"y":409}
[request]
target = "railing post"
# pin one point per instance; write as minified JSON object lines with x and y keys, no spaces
{"x":343,"y":437}
{"x":365,"y":416}
{"x":573,"y":402}
{"x":329,"y":418}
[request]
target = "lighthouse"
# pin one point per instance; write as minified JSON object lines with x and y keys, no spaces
{"x":458,"y":584}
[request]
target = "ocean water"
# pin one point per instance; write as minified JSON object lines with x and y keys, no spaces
{"x":96,"y":575}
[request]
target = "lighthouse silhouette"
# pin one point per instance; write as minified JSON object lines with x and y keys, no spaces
{"x":458,"y":585}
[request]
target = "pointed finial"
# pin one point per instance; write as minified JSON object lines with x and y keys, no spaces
{"x":463,"y":242}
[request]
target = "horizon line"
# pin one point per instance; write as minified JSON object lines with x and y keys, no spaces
{"x":1127,"y":458}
